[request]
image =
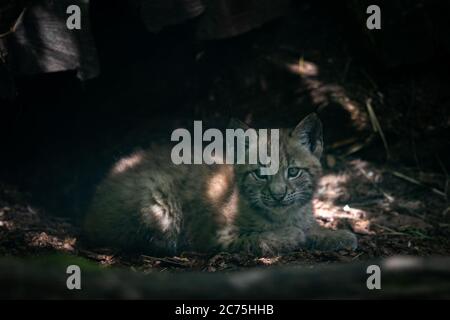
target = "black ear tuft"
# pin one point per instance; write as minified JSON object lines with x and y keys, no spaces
{"x":309,"y":133}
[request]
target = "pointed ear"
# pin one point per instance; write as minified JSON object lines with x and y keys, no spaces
{"x":309,"y":133}
{"x":237,"y":124}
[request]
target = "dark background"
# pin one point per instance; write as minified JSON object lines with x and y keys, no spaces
{"x":59,"y":135}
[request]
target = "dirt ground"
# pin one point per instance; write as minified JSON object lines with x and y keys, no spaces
{"x":386,"y":138}
{"x":389,"y":215}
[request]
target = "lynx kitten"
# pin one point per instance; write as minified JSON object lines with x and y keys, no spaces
{"x":149,"y":204}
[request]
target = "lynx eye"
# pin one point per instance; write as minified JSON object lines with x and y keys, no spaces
{"x":257,"y":174}
{"x":294,"y":172}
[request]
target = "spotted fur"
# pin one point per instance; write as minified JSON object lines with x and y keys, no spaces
{"x":149,"y":204}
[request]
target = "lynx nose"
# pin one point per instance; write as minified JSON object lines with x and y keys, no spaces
{"x":278,"y":193}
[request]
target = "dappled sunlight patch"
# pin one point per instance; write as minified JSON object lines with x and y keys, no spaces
{"x":343,"y":198}
{"x":158,"y":212}
{"x":331,"y":186}
{"x":230,"y":208}
{"x":228,"y":214}
{"x":387,"y":214}
{"x":108,"y":260}
{"x":362,"y":226}
{"x":303,"y":68}
{"x":333,"y":190}
{"x":222,"y":193}
{"x":8,"y":217}
{"x":330,"y":216}
{"x":218,"y":186}
{"x":358,"y":116}
{"x":323,"y":93}
{"x":269,"y":261}
{"x":127,"y":163}
{"x":4,"y":222}
{"x":45,"y":240}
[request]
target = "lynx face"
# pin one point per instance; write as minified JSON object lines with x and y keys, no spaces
{"x":295,"y":182}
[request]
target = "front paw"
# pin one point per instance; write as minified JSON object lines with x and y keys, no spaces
{"x":250,"y":245}
{"x":270,"y":244}
{"x":329,"y":240}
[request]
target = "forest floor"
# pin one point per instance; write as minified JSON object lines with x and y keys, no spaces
{"x":389,"y":214}
{"x":385,"y":163}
